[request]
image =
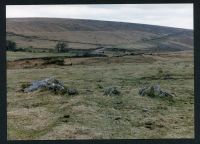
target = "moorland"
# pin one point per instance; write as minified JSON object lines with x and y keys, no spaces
{"x":98,"y":55}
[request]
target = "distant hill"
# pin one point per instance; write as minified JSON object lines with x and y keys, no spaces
{"x":91,"y":34}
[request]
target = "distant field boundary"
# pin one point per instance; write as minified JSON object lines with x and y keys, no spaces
{"x":51,"y":57}
{"x":39,"y":38}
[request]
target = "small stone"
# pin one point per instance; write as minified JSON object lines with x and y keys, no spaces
{"x":65,"y":120}
{"x":120,"y":102}
{"x":154,"y":91}
{"x":72,"y":91}
{"x":150,"y":125}
{"x":117,"y":118}
{"x":160,"y":125}
{"x":111,"y":91}
{"x":145,"y":110}
{"x":50,"y":84}
{"x":66,"y":116}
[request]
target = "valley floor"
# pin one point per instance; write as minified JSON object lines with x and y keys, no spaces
{"x":42,"y":115}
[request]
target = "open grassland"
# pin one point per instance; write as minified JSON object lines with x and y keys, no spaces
{"x":42,"y":115}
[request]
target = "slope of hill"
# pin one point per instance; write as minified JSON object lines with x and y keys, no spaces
{"x":91,"y":34}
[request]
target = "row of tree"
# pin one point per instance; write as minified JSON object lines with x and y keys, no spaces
{"x":10,"y":45}
{"x":60,"y":46}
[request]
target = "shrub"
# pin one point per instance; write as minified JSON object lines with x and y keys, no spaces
{"x":10,"y":45}
{"x":57,"y":61}
{"x":25,"y":85}
{"x":61,"y":47}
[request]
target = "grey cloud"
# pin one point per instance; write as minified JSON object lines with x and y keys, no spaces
{"x":175,"y":15}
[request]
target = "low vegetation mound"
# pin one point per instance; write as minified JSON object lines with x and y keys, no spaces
{"x":54,"y":60}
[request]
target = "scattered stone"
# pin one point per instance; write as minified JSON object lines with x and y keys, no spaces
{"x":154,"y":91}
{"x":167,"y":77}
{"x":51,"y":84}
{"x":111,"y":91}
{"x":145,"y":110}
{"x":162,"y":107}
{"x":89,"y":90}
{"x":150,"y":125}
{"x":72,"y":91}
{"x":160,"y":125}
{"x":99,"y":80}
{"x":66,"y":116}
{"x":120,"y":102}
{"x":99,"y":86}
{"x":117,"y":118}
{"x":65,"y":120}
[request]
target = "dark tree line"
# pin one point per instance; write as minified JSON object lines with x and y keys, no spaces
{"x":60,"y":46}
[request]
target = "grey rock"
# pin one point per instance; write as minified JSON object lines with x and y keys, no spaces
{"x":150,"y":125}
{"x":66,"y":116}
{"x":72,"y":91}
{"x":111,"y":91}
{"x":145,"y":110}
{"x":117,"y":118}
{"x":49,"y":83}
{"x":154,"y":91}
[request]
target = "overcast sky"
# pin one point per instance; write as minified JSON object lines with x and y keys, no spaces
{"x":174,"y":15}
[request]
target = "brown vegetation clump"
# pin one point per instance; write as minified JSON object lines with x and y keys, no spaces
{"x":56,"y":61}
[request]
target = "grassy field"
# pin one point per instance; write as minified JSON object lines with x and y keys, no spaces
{"x":42,"y":115}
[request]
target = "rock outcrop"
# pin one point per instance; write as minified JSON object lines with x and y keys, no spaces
{"x":111,"y":91}
{"x":48,"y":83}
{"x":154,"y":91}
